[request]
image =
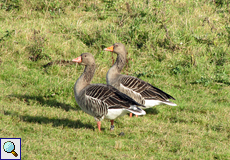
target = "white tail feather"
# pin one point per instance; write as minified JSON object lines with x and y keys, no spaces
{"x":170,"y":103}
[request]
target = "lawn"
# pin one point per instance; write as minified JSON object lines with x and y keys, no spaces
{"x":181,"y":47}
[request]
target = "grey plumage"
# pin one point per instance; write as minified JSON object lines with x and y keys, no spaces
{"x":136,"y":88}
{"x":98,"y":99}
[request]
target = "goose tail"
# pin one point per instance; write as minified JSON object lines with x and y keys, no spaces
{"x":136,"y":110}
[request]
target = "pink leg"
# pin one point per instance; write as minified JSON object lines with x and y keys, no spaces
{"x":112,"y":126}
{"x":136,"y":115}
{"x":130,"y":114}
{"x":99,"y":125}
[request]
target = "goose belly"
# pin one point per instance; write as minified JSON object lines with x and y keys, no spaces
{"x":115,"y":113}
{"x":151,"y":103}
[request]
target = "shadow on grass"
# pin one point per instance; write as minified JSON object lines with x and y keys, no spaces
{"x":153,"y":111}
{"x":45,"y":120}
{"x":51,"y":102}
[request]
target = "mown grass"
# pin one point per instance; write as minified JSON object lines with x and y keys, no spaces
{"x":181,"y":47}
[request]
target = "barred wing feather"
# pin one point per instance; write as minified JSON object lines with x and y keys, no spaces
{"x":146,"y":90}
{"x":100,"y":98}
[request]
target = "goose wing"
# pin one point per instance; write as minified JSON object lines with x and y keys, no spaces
{"x":110,"y":96}
{"x":100,"y":98}
{"x":144,"y":89}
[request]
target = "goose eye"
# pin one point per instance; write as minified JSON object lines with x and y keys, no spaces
{"x":116,"y":45}
{"x":85,"y":55}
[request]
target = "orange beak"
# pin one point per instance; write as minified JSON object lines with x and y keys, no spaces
{"x":77,"y":60}
{"x":109,"y":49}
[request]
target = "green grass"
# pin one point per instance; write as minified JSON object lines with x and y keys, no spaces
{"x":181,"y":47}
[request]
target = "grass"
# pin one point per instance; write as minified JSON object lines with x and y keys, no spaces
{"x":181,"y":47}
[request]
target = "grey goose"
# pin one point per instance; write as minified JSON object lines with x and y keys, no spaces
{"x":141,"y":91}
{"x":101,"y":100}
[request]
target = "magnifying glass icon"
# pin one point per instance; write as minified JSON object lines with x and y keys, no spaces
{"x":9,"y":147}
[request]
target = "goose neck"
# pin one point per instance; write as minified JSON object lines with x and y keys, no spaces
{"x":85,"y":79}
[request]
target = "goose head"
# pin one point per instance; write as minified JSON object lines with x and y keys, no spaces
{"x":117,"y":48}
{"x":85,"y":59}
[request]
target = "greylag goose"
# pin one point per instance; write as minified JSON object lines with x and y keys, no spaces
{"x":101,"y":100}
{"x":141,"y":91}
